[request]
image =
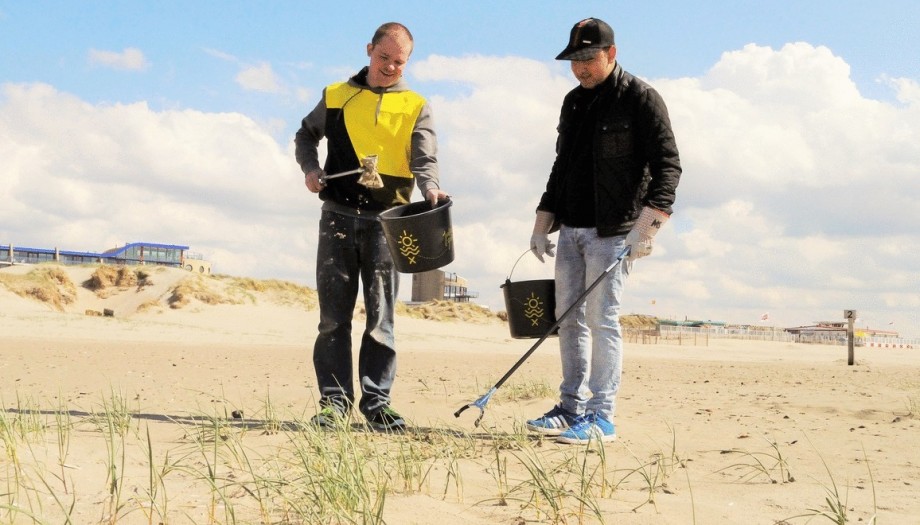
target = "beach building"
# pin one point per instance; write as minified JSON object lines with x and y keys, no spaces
{"x":140,"y":253}
{"x":437,"y":285}
{"x":836,"y":332}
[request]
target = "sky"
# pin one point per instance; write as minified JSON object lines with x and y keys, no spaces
{"x":798,"y":125}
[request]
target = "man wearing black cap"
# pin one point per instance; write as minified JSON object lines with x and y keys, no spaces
{"x":611,"y":186}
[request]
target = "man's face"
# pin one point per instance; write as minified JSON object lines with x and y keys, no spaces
{"x":388,"y":59}
{"x":590,"y":73}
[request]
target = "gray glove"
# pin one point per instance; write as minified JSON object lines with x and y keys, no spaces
{"x":540,"y":244}
{"x":539,"y":241}
{"x":639,"y":239}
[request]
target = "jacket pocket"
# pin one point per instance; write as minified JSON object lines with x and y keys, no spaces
{"x":615,"y":138}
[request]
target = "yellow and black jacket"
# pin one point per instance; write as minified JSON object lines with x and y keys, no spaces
{"x":393,"y":123}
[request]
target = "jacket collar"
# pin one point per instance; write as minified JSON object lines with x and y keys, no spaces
{"x":615,"y":82}
{"x":360,"y":81}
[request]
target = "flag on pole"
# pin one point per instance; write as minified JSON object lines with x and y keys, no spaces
{"x":765,"y":316}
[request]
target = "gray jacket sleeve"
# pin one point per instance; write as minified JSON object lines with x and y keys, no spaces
{"x":307,"y":139}
{"x":424,"y":160}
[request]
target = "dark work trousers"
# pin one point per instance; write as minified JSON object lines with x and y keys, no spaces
{"x":351,"y":248}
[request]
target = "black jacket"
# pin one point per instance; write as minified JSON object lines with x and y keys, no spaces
{"x":635,"y":162}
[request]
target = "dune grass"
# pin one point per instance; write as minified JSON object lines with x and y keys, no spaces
{"x":274,"y":467}
{"x":48,"y":284}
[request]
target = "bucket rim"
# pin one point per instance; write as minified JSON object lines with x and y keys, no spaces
{"x":394,"y":212}
{"x":509,"y":282}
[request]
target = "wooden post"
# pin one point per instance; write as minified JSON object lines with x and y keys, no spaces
{"x":850,"y":316}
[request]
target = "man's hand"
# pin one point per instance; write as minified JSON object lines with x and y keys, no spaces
{"x":639,"y":239}
{"x":433,"y":196}
{"x":539,"y":242}
{"x":312,"y":181}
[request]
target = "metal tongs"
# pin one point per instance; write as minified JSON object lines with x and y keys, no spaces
{"x":370,"y":177}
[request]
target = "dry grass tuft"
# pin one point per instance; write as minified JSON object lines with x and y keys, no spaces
{"x":46,"y":284}
{"x":200,"y":288}
{"x":153,"y":304}
{"x":284,"y":293}
{"x":639,"y":322}
{"x":109,"y":280}
{"x":448,"y":311}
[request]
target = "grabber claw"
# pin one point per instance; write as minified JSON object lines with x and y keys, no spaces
{"x":480,"y":404}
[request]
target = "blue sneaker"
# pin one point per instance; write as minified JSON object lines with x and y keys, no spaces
{"x":553,"y":422}
{"x":589,"y":426}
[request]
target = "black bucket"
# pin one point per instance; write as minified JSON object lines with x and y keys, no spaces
{"x":420,"y":238}
{"x":530,"y":305}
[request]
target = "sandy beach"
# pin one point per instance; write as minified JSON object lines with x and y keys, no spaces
{"x":195,"y":413}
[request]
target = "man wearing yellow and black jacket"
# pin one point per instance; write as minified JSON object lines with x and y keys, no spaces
{"x":373,"y":113}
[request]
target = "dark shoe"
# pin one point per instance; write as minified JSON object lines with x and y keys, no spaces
{"x":329,"y":417}
{"x":387,"y":420}
{"x":552,"y":423}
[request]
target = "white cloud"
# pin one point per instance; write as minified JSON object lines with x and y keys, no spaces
{"x":260,"y":77}
{"x":221,"y":55}
{"x":907,"y":90}
{"x":798,"y":195}
{"x":101,"y":176}
{"x":798,"y":75}
{"x":129,"y":59}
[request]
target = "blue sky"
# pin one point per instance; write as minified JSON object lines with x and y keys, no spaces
{"x":193,"y":50}
{"x":798,"y":125}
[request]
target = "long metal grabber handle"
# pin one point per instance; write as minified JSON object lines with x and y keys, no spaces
{"x":324,"y":178}
{"x":481,"y":402}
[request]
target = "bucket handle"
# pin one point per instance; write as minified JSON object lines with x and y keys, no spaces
{"x":508,"y":279}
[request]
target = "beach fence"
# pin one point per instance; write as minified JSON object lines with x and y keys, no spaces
{"x":840,"y":339}
{"x":700,"y":335}
{"x":680,"y":335}
{"x":888,"y":342}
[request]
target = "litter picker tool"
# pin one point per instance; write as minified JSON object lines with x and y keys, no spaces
{"x":481,"y":402}
{"x":370,"y":177}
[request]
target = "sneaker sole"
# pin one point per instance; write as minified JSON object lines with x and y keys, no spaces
{"x":329,"y":426}
{"x":546,"y":431}
{"x":578,"y":441}
{"x":319,"y":421}
{"x":392,"y":429}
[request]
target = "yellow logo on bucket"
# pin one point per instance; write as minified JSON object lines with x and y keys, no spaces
{"x":533,"y":309}
{"x":408,"y":247}
{"x":448,"y":237}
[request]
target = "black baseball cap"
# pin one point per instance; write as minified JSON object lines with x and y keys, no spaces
{"x":586,"y":38}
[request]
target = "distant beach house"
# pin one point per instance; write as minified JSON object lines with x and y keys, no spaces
{"x":132,"y":253}
{"x":823,"y":331}
{"x":437,"y":285}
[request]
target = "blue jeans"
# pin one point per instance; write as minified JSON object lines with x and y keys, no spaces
{"x":350,"y":249}
{"x":590,"y":339}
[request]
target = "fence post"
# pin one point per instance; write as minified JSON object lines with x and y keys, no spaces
{"x":850,"y":316}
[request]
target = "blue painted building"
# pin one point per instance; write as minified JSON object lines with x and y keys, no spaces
{"x":132,"y":253}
